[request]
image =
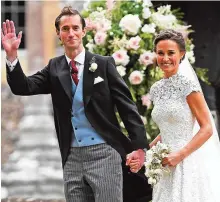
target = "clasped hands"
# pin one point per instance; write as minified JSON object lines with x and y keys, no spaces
{"x":135,"y":160}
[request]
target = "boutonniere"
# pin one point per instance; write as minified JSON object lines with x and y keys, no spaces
{"x":93,"y":65}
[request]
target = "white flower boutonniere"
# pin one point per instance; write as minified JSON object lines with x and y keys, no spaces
{"x":93,"y":65}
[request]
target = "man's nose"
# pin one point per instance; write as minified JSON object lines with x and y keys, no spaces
{"x":71,"y":32}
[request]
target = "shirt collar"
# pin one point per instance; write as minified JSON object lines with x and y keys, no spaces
{"x":80,"y":58}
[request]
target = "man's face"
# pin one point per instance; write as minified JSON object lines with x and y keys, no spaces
{"x":71,"y":32}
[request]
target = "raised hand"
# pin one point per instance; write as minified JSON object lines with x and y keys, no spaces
{"x":10,"y":41}
{"x":135,"y":160}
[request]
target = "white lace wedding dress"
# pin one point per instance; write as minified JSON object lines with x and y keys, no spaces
{"x":197,"y":177}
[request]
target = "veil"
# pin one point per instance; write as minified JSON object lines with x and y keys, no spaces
{"x":210,"y":150}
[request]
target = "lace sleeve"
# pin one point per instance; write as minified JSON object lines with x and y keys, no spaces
{"x":191,"y":86}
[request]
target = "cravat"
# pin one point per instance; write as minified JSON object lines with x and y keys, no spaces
{"x":74,"y":72}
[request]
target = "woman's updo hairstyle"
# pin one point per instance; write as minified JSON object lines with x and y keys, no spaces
{"x":170,"y":34}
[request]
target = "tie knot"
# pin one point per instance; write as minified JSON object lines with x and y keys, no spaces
{"x":74,"y":68}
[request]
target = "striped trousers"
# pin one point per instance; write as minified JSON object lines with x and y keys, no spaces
{"x":93,"y":174}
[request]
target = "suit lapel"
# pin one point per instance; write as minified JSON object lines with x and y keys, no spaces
{"x":63,"y":72}
{"x":88,"y":79}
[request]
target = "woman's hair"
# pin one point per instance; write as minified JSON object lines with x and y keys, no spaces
{"x":68,"y":10}
{"x":170,"y":34}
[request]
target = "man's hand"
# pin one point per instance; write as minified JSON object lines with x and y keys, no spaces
{"x":9,"y":40}
{"x":135,"y":160}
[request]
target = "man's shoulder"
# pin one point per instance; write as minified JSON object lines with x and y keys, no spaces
{"x":57,"y":58}
{"x":100,"y":57}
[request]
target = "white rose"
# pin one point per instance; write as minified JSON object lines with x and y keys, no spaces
{"x":93,"y":67}
{"x":130,"y":24}
{"x":146,"y":13}
{"x":136,"y":77}
{"x":152,"y":181}
{"x":121,"y":57}
{"x":121,"y":70}
{"x":158,"y":171}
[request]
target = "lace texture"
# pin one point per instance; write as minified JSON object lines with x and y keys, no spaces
{"x":188,"y":181}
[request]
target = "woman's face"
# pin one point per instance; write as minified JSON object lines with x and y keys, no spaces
{"x":168,"y":56}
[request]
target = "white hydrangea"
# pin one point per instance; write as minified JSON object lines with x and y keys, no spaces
{"x":90,"y":47}
{"x":164,"y":21}
{"x":190,"y":56}
{"x":146,"y":13}
{"x":165,"y":10}
{"x":149,"y":28}
{"x":147,"y":3}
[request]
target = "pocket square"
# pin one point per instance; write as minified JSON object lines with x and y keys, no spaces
{"x":98,"y":80}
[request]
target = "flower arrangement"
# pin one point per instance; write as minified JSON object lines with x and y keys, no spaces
{"x":125,"y":30}
{"x":153,"y":164}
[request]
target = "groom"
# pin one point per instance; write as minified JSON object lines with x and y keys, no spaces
{"x":86,"y":89}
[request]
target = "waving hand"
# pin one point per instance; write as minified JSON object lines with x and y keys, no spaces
{"x":10,"y":41}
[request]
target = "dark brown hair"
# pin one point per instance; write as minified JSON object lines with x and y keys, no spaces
{"x":68,"y":10}
{"x":170,"y":34}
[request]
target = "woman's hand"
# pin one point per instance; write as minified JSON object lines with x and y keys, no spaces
{"x":173,"y":159}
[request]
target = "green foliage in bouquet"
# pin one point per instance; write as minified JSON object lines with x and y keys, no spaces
{"x":126,"y":30}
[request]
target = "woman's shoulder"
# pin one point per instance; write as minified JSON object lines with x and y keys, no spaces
{"x":187,"y":85}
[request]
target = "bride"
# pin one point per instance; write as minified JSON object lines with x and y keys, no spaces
{"x":186,"y":125}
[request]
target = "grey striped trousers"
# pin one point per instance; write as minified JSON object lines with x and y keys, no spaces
{"x":93,"y":174}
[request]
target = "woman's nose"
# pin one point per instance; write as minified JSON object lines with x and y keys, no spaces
{"x":166,"y":58}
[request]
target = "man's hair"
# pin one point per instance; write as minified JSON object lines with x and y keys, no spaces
{"x":68,"y":10}
{"x":170,"y":34}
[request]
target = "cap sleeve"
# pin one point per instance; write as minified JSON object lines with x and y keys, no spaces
{"x":191,"y":86}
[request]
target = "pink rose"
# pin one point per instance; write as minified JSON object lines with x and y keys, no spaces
{"x":146,"y":100}
{"x":136,"y":77}
{"x":121,"y":57}
{"x":100,"y":38}
{"x":89,"y":24}
{"x":147,"y":58}
{"x":133,"y":43}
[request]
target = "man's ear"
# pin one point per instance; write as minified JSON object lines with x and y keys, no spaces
{"x":58,"y":34}
{"x":84,"y":32}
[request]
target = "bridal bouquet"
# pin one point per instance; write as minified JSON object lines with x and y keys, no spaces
{"x":153,"y":163}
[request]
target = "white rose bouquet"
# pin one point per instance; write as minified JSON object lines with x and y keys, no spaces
{"x":153,"y":164}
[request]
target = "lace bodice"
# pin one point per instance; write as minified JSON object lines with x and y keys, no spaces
{"x":171,"y":111}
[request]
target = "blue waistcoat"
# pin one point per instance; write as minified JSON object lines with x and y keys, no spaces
{"x":84,"y":134}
